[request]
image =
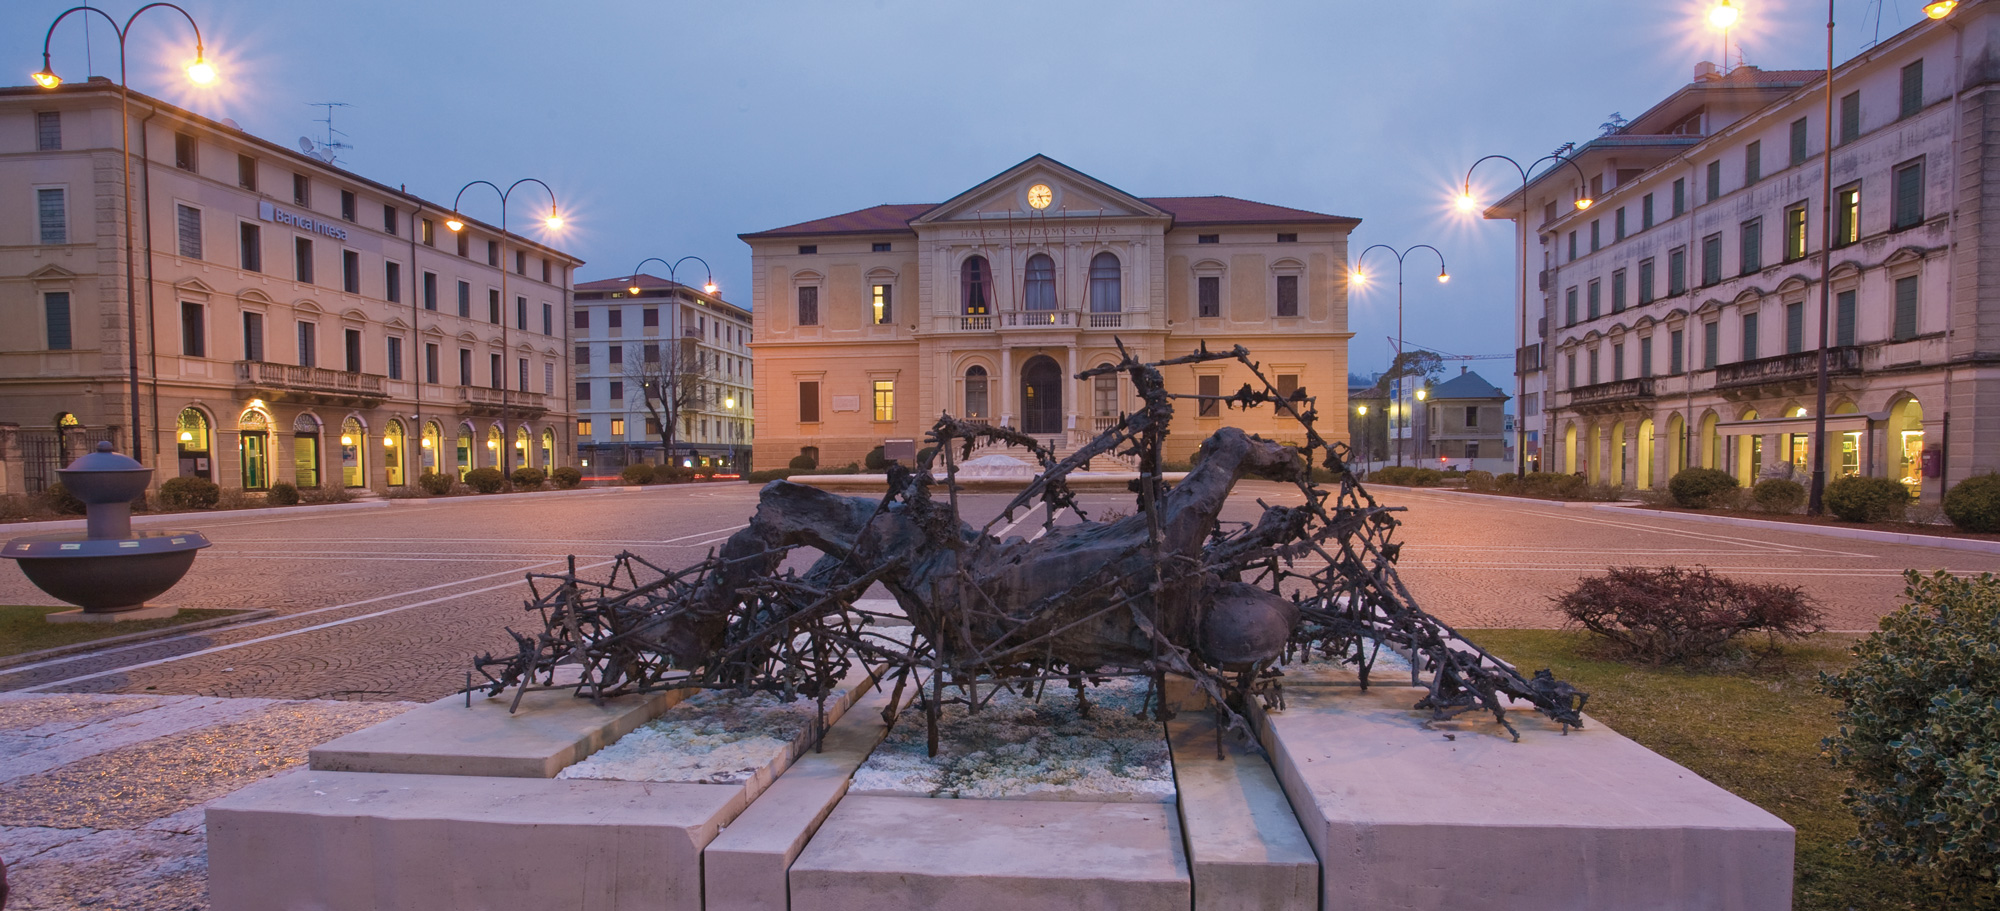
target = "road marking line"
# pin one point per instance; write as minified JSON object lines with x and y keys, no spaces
{"x":1045,"y":528}
{"x":1002,"y":535}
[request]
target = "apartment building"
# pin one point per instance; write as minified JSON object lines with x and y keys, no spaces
{"x":1676,"y":320}
{"x":871,"y":323}
{"x":288,"y":321}
{"x":648,"y":349}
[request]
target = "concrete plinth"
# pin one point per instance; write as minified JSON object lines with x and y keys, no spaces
{"x":1245,"y":849}
{"x":146,"y":612}
{"x":552,"y":729}
{"x":335,"y":841}
{"x":992,"y":855}
{"x":1406,"y":817}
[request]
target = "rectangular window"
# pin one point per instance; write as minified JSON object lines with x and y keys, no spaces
{"x":521,"y":374}
{"x":582,"y":356}
{"x":583,"y":319}
{"x":650,"y":317}
{"x":548,"y":378}
{"x":1749,"y":337}
{"x":1646,"y":212}
{"x":1753,"y":162}
{"x":194,"y":331}
{"x":809,"y":306}
{"x":52,"y":215}
{"x":465,"y":366}
{"x":1714,"y":181}
{"x":617,"y":427}
{"x":495,"y":377}
{"x":583,"y":424}
{"x":1208,"y":296}
{"x":351,"y":348}
{"x":545,"y":271}
{"x":1913,"y":90}
{"x":1617,"y":362}
{"x":55,"y":309}
{"x":1572,"y":246}
{"x":1646,"y":267}
{"x":347,"y":204}
{"x":184,"y":152}
{"x":1596,"y":298}
{"x":1209,"y":386}
{"x":614,"y":318}
{"x":1288,"y":238}
{"x":1594,"y":358}
{"x":1618,"y":224}
{"x":1843,"y":318}
{"x":1288,"y":295}
{"x":1711,"y":344}
{"x":392,"y":282}
{"x":614,"y":355}
{"x":430,"y":291}
{"x":250,"y":247}
{"x":1906,"y":309}
{"x":1908,"y":204}
{"x":1750,"y":247}
{"x":1569,"y":307}
{"x":1795,"y":328}
{"x":1618,"y":291}
{"x":1676,"y":340}
{"x":493,"y":306}
{"x":464,"y":242}
{"x":1680,"y":196}
{"x":389,"y":218}
{"x":465,"y":299}
{"x":395,"y":357}
{"x":809,"y":403}
{"x":253,"y":336}
{"x":187,"y":227}
{"x":1677,"y":270}
{"x":302,"y":259}
{"x":350,"y":271}
{"x":1795,"y":232}
{"x":427,"y":232}
{"x":1596,"y":235}
{"x":1799,"y":141}
{"x":548,"y":318}
{"x":493,"y":253}
{"x":1569,"y":370}
{"x":1850,"y":117}
{"x":308,"y":344}
{"x":521,"y":313}
{"x":617,"y":390}
{"x":1645,"y":357}
{"x":1847,"y":215}
{"x":583,"y":390}
{"x":885,"y":400}
{"x":1711,"y":259}
{"x":879,"y":300}
{"x":301,"y":190}
{"x":48,"y":131}
{"x":520,"y":262}
{"x":650,"y":352}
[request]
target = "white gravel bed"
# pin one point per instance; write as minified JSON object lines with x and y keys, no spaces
{"x":712,"y":737}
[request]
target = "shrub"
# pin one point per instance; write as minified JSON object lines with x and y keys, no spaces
{"x":1480,"y":480}
{"x":1778,"y":495}
{"x":282,"y":493}
{"x":330,"y":493}
{"x":58,"y":498}
{"x":637,"y":473}
{"x":486,"y":480}
{"x":565,"y":477}
{"x":1700,"y":488}
{"x":803,"y":462}
{"x":767,"y":476}
{"x":672,"y":474}
{"x":1920,"y":730}
{"x":528,"y":477}
{"x":875,"y":460}
{"x":189,"y":493}
{"x":1974,"y":503}
{"x":1671,"y":615}
{"x":435,"y":484}
{"x":1858,"y":499}
{"x":1408,"y":476}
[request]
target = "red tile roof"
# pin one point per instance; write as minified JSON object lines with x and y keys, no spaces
{"x":644,"y":280}
{"x":1186,"y":210}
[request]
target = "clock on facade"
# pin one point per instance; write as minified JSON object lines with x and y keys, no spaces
{"x":1040,"y":196}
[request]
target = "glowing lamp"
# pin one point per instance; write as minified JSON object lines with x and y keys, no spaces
{"x":493,"y":444}
{"x":1443,"y":276}
{"x":1940,"y":8}
{"x":1421,"y":394}
{"x":47,"y":78}
{"x":455,"y":223}
{"x":1364,"y":411}
{"x":427,"y":444}
{"x":634,"y":290}
{"x":201,"y":72}
{"x":729,"y":402}
{"x":554,"y":221}
{"x":187,"y":437}
{"x":346,"y":440}
{"x":1466,"y":203}
{"x":1725,"y":14}
{"x":1357,"y":277}
{"x":1584,"y":202}
{"x":710,"y":287}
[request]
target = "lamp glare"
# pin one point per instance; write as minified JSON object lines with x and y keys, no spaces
{"x":1584,"y":202}
{"x":1358,"y":277}
{"x":710,"y":287}
{"x":554,"y":221}
{"x":47,"y":78}
{"x":455,"y":224}
{"x":1466,"y":203}
{"x":1364,"y":411}
{"x":201,"y":72}
{"x":1938,"y":9}
{"x":634,"y":290}
{"x":1443,"y":276}
{"x":1725,"y":14}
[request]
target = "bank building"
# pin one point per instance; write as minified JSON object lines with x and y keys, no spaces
{"x":870,"y":323}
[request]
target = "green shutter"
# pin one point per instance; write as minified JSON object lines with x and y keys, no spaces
{"x":1910,"y":195}
{"x":1843,"y":324}
{"x":1906,"y":308}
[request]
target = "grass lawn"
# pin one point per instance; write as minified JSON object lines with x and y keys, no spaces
{"x":1753,"y":731}
{"x":22,"y":629}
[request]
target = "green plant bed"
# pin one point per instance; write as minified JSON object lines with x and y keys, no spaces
{"x":22,"y":628}
{"x":1755,"y":730}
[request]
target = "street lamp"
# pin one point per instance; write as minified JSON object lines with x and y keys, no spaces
{"x":201,"y":72}
{"x":1468,"y":203}
{"x":708,"y":286}
{"x":1362,"y":277}
{"x":553,"y":221}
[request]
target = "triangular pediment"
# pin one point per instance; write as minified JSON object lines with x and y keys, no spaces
{"x":1072,"y":193}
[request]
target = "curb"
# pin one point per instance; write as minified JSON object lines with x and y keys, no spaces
{"x":376,"y":502}
{"x":1947,"y":542}
{"x":1460,"y":492}
{"x":62,"y":651}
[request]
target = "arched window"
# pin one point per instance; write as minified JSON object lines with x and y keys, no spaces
{"x":548,"y":448}
{"x":353,"y":469}
{"x":524,"y":457}
{"x":305,"y":451}
{"x":191,"y":433}
{"x":494,"y":437}
{"x":1040,"y":283}
{"x":975,"y":392}
{"x":433,"y":444}
{"x":1104,"y":400}
{"x":393,"y":445}
{"x":464,"y":450}
{"x":1104,"y":283}
{"x":975,"y":286}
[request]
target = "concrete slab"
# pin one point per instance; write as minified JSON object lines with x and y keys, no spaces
{"x":551,"y":729}
{"x":1246,"y":851}
{"x":746,"y":868}
{"x":992,"y":855}
{"x":336,"y":841}
{"x":1459,"y":815}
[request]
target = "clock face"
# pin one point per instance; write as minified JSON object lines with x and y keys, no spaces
{"x":1040,"y":196}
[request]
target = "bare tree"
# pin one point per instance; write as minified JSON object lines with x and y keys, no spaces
{"x":672,"y":380}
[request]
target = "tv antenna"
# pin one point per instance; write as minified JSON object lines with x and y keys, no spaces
{"x":326,"y":150}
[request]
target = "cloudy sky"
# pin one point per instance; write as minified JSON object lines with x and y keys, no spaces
{"x":668,"y":128}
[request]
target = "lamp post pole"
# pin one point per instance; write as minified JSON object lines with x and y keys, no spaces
{"x":1815,"y":503}
{"x":1467,"y":203}
{"x":201,"y":72}
{"x":456,"y":224}
{"x":708,"y":286}
{"x":1402,"y":414}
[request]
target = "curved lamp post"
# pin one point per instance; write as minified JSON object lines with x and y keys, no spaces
{"x":456,"y":223}
{"x":200,"y":72}
{"x":1359,"y":277}
{"x":673,"y":269}
{"x":1468,"y":203}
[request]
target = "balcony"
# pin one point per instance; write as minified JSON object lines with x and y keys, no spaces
{"x":314,"y":385}
{"x":1801,"y":368}
{"x":1614,"y":393}
{"x":484,"y":401}
{"x":1038,"y":319}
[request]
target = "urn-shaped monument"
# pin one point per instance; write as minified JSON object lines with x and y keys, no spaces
{"x":108,"y":570}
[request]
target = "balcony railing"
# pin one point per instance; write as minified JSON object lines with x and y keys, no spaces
{"x":309,"y":381}
{"x":1107,"y":320}
{"x":1803,"y":365}
{"x":1614,"y":391}
{"x":484,"y":400}
{"x":1038,"y":318}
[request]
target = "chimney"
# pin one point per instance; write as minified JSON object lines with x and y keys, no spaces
{"x":1706,"y":71}
{"x":1461,"y":369}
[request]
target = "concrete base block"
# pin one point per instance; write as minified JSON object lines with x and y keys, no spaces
{"x":551,"y":730}
{"x":992,"y":855}
{"x":335,"y":841}
{"x":145,"y":612}
{"x":1245,"y":848}
{"x":1457,"y":815}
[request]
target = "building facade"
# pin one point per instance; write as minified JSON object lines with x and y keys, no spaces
{"x":294,"y":322}
{"x":1677,"y":319}
{"x":641,"y":336}
{"x":871,"y":323}
{"x":1465,"y":425}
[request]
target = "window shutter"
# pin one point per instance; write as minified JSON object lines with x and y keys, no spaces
{"x":1844,"y":318}
{"x":1909,"y":195}
{"x":188,"y":219}
{"x":1795,"y":328}
{"x":1906,"y":308}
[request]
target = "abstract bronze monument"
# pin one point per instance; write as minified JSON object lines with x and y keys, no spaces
{"x":1171,"y":589}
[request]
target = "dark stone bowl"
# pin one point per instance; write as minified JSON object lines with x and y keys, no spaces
{"x":106,"y":576}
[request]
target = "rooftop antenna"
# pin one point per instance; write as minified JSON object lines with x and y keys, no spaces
{"x":325,"y":150}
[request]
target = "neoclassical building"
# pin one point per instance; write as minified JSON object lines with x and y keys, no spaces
{"x":871,"y":323}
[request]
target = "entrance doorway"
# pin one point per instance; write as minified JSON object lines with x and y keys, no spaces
{"x":305,"y":451}
{"x":1041,"y":396}
{"x":193,"y":437}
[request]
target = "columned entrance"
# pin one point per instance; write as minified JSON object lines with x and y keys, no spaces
{"x":1041,"y":396}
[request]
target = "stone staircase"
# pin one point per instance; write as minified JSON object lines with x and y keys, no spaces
{"x":1062,"y":449}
